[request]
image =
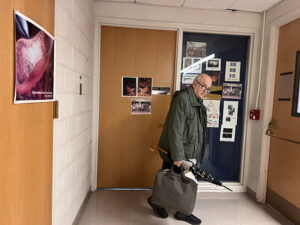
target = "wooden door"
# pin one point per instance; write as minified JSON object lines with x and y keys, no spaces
{"x":26,"y":130}
{"x":124,"y":160}
{"x":284,"y":167}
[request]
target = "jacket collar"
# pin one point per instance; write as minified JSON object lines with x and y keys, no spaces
{"x":194,"y":101}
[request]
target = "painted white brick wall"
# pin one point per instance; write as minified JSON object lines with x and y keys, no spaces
{"x":74,"y":32}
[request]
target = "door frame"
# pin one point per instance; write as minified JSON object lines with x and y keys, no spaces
{"x":180,"y":28}
{"x":270,"y":53}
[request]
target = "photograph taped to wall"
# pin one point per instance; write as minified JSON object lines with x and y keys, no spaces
{"x":187,"y":61}
{"x":213,"y":64}
{"x":232,"y":71}
{"x":195,"y":49}
{"x":216,"y":77}
{"x":233,"y":91}
{"x":227,"y":133}
{"x":140,"y":106}
{"x":34,"y":61}
{"x":129,"y":85}
{"x":213,"y":112}
{"x":144,"y":87}
{"x":188,"y":78}
{"x":230,"y":113}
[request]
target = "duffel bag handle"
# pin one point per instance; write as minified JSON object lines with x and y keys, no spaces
{"x":171,"y":174}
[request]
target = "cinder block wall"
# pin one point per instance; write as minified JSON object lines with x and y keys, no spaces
{"x":74,"y":33}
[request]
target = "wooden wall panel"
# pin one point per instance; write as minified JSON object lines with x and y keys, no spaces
{"x":26,"y":131}
{"x":284,"y":167}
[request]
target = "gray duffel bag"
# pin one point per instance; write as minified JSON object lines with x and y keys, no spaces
{"x":175,"y":191}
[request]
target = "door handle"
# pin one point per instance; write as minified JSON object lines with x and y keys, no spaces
{"x":271,"y":132}
{"x":271,"y":129}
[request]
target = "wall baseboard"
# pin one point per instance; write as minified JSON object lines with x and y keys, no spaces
{"x":289,"y":210}
{"x":82,"y":207}
{"x":251,"y":193}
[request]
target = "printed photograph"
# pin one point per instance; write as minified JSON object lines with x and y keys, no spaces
{"x":144,"y":87}
{"x":232,"y":71}
{"x":227,"y":133}
{"x":34,"y":61}
{"x":233,"y":91}
{"x":128,"y":86}
{"x":188,"y":61}
{"x":232,"y":76}
{"x":213,"y":112}
{"x":140,"y":106}
{"x":213,"y":64}
{"x":187,"y":80}
{"x":230,"y":113}
{"x":195,"y":49}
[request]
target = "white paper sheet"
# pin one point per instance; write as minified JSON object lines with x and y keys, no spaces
{"x":230,"y":112}
{"x":232,"y":72}
{"x":213,"y":112}
{"x":227,"y":133}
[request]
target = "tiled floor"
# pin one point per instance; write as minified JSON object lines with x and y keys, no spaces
{"x":131,"y":208}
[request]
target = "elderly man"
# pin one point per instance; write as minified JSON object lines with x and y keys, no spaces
{"x":184,"y":133}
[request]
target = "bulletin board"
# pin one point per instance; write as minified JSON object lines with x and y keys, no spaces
{"x":222,"y":157}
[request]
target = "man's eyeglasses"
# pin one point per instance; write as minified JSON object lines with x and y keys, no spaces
{"x":203,"y":87}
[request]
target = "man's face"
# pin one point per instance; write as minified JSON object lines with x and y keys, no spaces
{"x":202,"y":86}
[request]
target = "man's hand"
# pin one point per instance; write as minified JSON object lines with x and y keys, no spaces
{"x":178,"y":163}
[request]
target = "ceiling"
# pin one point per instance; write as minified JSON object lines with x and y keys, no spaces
{"x":244,"y":5}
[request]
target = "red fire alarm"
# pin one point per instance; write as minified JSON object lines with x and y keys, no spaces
{"x":254,"y":114}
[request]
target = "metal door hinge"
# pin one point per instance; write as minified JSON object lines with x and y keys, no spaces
{"x":55,"y":110}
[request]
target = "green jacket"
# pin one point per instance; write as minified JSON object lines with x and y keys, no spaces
{"x":184,"y":131}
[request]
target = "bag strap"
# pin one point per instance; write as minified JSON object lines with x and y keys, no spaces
{"x":171,"y":174}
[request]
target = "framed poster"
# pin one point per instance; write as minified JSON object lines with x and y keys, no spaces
{"x":296,"y":95}
{"x":34,"y":61}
